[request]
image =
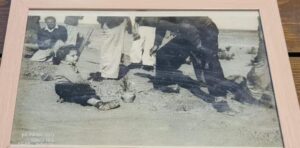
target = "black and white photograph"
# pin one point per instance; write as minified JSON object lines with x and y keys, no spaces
{"x":145,"y":78}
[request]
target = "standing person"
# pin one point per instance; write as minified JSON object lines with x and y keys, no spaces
{"x":140,"y":51}
{"x":197,"y":38}
{"x":74,"y":34}
{"x":259,"y":75}
{"x":113,"y":31}
{"x":103,"y":55}
{"x":49,"y":40}
{"x":32,"y":29}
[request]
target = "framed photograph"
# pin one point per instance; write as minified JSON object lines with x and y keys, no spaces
{"x":147,"y":73}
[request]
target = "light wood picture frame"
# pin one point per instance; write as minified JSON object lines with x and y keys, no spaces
{"x":282,"y":84}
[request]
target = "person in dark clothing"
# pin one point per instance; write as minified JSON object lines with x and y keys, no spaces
{"x":197,"y":38}
{"x":71,"y":87}
{"x":49,"y":40}
{"x":48,"y":36}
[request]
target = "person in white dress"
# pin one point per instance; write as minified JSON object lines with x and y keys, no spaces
{"x":103,"y":55}
{"x":141,"y":47}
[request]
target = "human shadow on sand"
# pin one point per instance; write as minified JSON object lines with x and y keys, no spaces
{"x":178,"y":78}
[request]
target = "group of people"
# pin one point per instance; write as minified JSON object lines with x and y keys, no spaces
{"x":162,"y":44}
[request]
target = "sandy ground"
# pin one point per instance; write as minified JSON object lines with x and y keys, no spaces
{"x":154,"y":118}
